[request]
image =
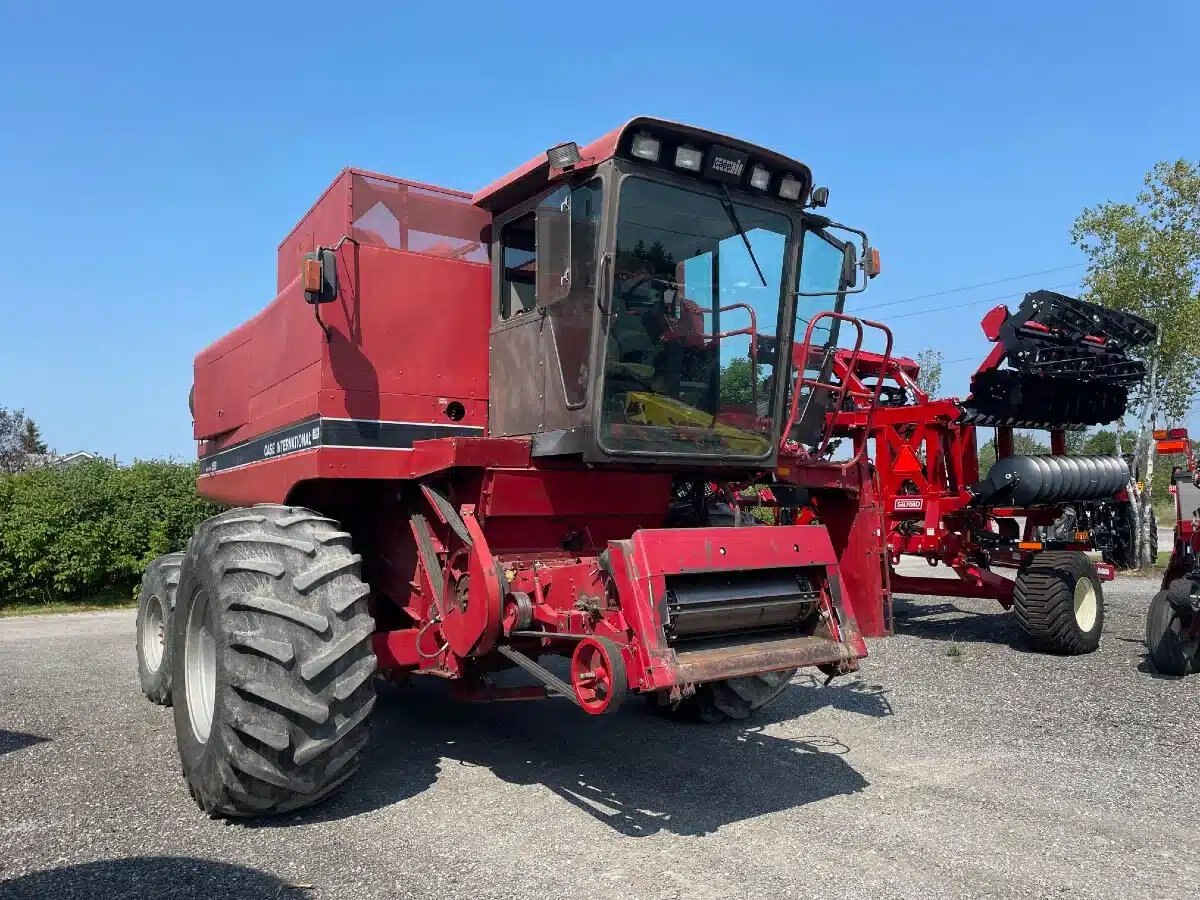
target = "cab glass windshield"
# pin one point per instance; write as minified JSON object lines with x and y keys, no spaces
{"x":691,"y":357}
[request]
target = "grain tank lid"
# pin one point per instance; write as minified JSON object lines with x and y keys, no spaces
{"x":338,"y":190}
{"x":525,"y":181}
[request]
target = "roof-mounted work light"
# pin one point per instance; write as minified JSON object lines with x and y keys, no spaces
{"x":563,"y":156}
{"x":645,"y":147}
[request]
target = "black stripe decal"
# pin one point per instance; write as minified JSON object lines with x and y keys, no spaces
{"x":319,"y":432}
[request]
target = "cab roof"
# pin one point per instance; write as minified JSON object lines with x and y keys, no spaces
{"x":529,"y":179}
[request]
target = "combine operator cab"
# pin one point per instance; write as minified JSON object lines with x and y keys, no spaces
{"x":657,"y":291}
{"x":473,"y":433}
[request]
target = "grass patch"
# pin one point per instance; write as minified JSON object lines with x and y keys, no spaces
{"x":1152,"y":571}
{"x":955,"y":650}
{"x":113,"y":598}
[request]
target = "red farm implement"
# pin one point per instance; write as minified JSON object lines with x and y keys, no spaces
{"x":1173,"y":620}
{"x":1058,"y":364}
{"x":474,"y":433}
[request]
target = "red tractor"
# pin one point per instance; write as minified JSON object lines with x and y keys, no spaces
{"x":1173,"y":620}
{"x":473,"y":433}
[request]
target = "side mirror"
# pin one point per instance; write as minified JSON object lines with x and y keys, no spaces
{"x":871,"y":263}
{"x":819,"y":197}
{"x":319,"y":274}
{"x":849,"y":265}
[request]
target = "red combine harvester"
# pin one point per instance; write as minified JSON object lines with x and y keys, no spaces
{"x":471,"y":432}
{"x":1058,"y":364}
{"x":1173,"y":620}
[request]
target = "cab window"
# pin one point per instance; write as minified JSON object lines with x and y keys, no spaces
{"x":535,"y":256}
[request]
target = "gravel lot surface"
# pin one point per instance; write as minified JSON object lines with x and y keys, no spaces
{"x":957,"y":765}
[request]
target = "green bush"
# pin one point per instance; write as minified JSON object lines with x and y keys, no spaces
{"x":67,"y":534}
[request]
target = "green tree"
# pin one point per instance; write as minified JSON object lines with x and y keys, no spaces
{"x":1100,"y":443}
{"x":930,"y":377}
{"x":1024,"y":444}
{"x":31,"y":439}
{"x":13,"y":432}
{"x":1144,"y":258}
{"x":736,"y":378}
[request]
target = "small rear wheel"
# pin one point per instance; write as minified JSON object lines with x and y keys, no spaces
{"x":598,"y":675}
{"x":272,"y":661}
{"x":1059,"y":603}
{"x":1171,"y":638}
{"x":156,"y":608}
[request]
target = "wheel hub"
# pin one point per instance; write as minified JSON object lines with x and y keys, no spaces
{"x":200,"y":667}
{"x":598,"y":676}
{"x":153,"y":634}
{"x":1086,"y":605}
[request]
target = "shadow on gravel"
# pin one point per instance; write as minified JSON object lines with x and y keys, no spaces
{"x":808,"y":694}
{"x":18,"y":740}
{"x":634,"y":772}
{"x":942,"y":621}
{"x":1147,"y":669}
{"x":177,"y":877}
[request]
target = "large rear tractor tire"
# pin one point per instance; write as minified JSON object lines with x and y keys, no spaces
{"x":156,"y":606}
{"x":1173,"y":647}
{"x":734,"y":698}
{"x":272,"y":661}
{"x":1059,"y":603}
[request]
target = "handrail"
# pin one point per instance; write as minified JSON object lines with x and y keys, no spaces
{"x":842,"y":390}
{"x":753,"y":332}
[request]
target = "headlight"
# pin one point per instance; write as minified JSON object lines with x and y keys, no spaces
{"x":789,"y":188}
{"x":688,"y":158}
{"x":760,"y":178}
{"x":645,"y":147}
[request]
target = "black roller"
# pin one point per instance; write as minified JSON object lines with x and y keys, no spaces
{"x":1045,"y":480}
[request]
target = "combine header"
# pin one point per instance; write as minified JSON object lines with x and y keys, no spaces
{"x":1058,"y":364}
{"x":472,"y":433}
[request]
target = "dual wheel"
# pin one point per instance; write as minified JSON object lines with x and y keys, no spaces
{"x":260,"y":637}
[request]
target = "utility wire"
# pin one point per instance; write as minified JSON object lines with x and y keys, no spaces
{"x":969,"y":287}
{"x":922,"y":312}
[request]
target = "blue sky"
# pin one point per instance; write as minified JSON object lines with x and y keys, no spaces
{"x":155,"y":155}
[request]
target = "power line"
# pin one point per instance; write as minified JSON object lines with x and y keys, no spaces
{"x":970,"y":287}
{"x":922,"y":312}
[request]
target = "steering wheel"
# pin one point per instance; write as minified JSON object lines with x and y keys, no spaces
{"x":667,"y":282}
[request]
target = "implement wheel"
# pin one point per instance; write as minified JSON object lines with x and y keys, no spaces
{"x":156,"y":606}
{"x":1059,"y":603}
{"x":1171,"y":638}
{"x":598,"y":675}
{"x":272,"y":661}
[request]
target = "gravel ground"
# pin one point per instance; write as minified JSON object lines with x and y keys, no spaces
{"x":957,"y":765}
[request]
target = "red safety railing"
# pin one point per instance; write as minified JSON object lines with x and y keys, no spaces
{"x":841,"y":391}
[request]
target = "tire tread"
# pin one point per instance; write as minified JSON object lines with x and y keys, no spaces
{"x":294,"y":645}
